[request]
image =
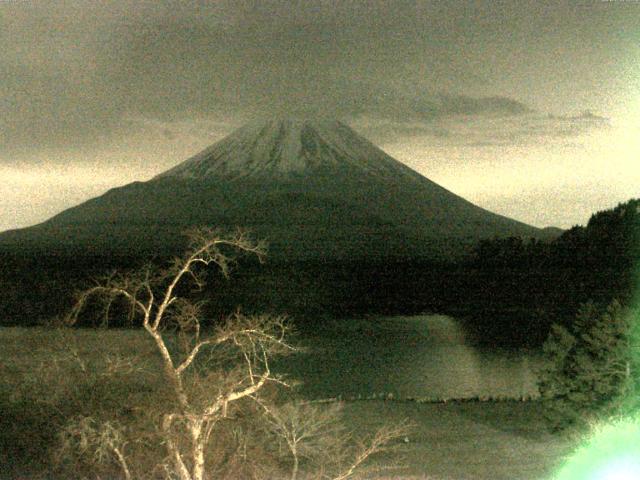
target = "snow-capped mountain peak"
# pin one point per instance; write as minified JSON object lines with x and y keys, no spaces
{"x":289,"y":147}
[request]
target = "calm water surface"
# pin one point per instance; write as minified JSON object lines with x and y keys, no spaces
{"x":417,"y":357}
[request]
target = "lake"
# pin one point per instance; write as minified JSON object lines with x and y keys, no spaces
{"x":427,"y":356}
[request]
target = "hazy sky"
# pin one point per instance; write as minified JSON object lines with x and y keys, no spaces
{"x":527,"y":108}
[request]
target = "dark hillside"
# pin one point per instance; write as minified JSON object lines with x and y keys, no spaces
{"x":518,"y":289}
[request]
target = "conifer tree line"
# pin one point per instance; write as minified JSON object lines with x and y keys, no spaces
{"x":517,"y":290}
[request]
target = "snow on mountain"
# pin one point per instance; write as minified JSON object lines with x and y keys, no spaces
{"x":289,"y":147}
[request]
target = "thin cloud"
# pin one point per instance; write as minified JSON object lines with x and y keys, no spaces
{"x":485,"y":129}
{"x":70,"y":72}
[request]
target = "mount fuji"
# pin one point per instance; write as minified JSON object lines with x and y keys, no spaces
{"x":312,"y":188}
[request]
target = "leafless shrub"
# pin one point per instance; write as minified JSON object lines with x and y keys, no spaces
{"x":315,"y":437}
{"x":101,"y":443}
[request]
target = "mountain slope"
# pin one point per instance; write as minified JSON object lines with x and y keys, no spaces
{"x":313,"y":189}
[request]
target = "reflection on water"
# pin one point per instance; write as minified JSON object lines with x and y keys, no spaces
{"x":423,"y":356}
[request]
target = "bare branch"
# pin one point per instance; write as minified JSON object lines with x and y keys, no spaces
{"x":183,"y":471}
{"x":104,"y":441}
{"x":108,"y":292}
{"x":192,"y":355}
{"x":378,"y":443}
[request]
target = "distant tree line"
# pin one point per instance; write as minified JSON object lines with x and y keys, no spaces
{"x":518,"y":289}
{"x":509,"y":291}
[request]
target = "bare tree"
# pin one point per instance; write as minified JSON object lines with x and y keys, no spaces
{"x":153,"y":297}
{"x":210,"y":370}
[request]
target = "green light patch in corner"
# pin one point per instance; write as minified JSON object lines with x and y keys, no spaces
{"x":612,"y":452}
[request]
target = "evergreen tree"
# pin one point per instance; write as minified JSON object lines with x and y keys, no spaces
{"x":592,"y":370}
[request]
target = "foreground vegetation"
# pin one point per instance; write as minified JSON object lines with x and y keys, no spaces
{"x":592,"y":369}
{"x":44,"y":388}
{"x":73,"y":401}
{"x":190,"y":400}
{"x":208,"y":406}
